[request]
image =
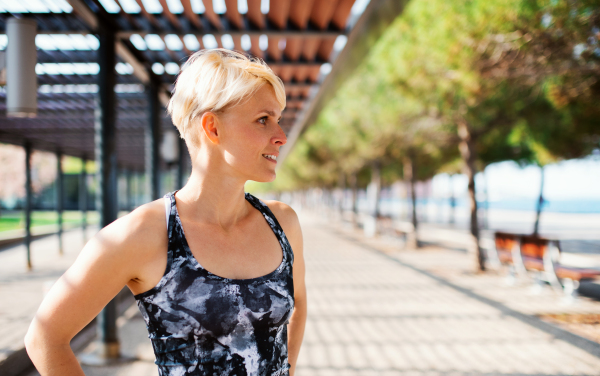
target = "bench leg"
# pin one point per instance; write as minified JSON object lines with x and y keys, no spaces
{"x":550,"y":257}
{"x":538,"y":285}
{"x":554,"y":282}
{"x":511,"y":277}
{"x":570,"y":287}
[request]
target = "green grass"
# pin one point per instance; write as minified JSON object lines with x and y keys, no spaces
{"x":13,"y":220}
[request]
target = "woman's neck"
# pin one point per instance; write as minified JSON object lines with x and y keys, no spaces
{"x":214,"y":197}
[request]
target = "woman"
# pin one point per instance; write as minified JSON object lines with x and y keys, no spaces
{"x":210,"y":266}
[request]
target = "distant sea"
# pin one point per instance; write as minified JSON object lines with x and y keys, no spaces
{"x":557,"y":206}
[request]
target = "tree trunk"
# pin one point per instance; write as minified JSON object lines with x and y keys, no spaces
{"x":376,"y":181}
{"x":468,"y":154}
{"x":354,"y":187}
{"x":540,"y":204}
{"x":373,"y":194}
{"x":341,"y":194}
{"x":409,"y":178}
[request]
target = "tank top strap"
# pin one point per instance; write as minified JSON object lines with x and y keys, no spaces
{"x":274,"y":224}
{"x":170,"y":213}
{"x":172,"y":248}
{"x":177,"y":250}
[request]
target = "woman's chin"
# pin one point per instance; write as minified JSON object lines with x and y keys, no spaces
{"x":265,"y":178}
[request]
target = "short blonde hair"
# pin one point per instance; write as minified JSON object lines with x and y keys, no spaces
{"x":213,"y":80}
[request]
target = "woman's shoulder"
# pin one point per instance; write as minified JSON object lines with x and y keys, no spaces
{"x":286,"y":216}
{"x":141,"y":230}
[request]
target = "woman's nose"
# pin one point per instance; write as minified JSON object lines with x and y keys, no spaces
{"x":280,"y":138}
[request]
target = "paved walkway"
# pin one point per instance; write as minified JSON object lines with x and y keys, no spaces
{"x":22,"y":291}
{"x":375,"y":310}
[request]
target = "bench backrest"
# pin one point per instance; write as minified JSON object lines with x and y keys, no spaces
{"x":505,"y":242}
{"x":534,"y":247}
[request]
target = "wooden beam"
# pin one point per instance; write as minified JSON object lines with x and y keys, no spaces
{"x":273,"y":49}
{"x":300,"y":12}
{"x":170,"y":16}
{"x":309,"y":49}
{"x":189,"y":13}
{"x":279,"y":11}
{"x":209,"y":13}
{"x":305,"y":34}
{"x":185,"y":49}
{"x":148,"y":16}
{"x":232,"y":14}
{"x":237,"y":43}
{"x":378,"y":15}
{"x":82,"y":10}
{"x":340,"y":16}
{"x":322,"y":12}
{"x":255,"y":16}
{"x":325,"y":48}
{"x":293,"y":48}
{"x":254,"y":48}
{"x":139,"y":70}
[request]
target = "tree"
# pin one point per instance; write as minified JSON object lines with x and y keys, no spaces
{"x":478,"y":81}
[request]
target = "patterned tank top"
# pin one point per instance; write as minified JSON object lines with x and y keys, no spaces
{"x":203,"y":324}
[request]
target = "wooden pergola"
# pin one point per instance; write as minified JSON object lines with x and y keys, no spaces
{"x":296,"y":38}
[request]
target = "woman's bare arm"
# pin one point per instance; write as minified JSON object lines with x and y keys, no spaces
{"x":291,"y":226}
{"x":109,"y":261}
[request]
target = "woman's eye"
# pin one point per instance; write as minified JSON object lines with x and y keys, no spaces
{"x":262,"y":120}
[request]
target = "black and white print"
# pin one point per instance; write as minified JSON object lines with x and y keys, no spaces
{"x":203,"y":324}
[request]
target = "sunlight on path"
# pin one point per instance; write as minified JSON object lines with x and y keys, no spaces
{"x":371,"y":316}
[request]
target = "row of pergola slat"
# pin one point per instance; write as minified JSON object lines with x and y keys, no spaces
{"x":301,"y":35}
{"x":282,"y":13}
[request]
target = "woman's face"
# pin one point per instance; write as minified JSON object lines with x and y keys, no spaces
{"x":251,"y":136}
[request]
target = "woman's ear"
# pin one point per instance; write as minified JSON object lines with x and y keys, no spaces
{"x":209,"y":123}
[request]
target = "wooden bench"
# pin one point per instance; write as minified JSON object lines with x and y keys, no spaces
{"x":402,"y":229}
{"x":542,"y":255}
{"x":507,"y":247}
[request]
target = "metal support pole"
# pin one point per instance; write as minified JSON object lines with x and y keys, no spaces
{"x":128,"y":194}
{"x":28,"y":202}
{"x":83,"y":197}
{"x":59,"y":200}
{"x":181,"y":163}
{"x":106,"y":161}
{"x":134,"y":188}
{"x":152,"y":138}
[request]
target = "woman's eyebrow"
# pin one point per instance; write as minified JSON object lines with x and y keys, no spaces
{"x":271,"y":113}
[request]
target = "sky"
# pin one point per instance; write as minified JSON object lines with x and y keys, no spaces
{"x":577,"y":179}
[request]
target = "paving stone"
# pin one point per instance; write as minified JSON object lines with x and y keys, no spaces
{"x":22,"y":291}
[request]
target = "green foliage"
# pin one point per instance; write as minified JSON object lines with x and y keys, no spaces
{"x":524,"y":75}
